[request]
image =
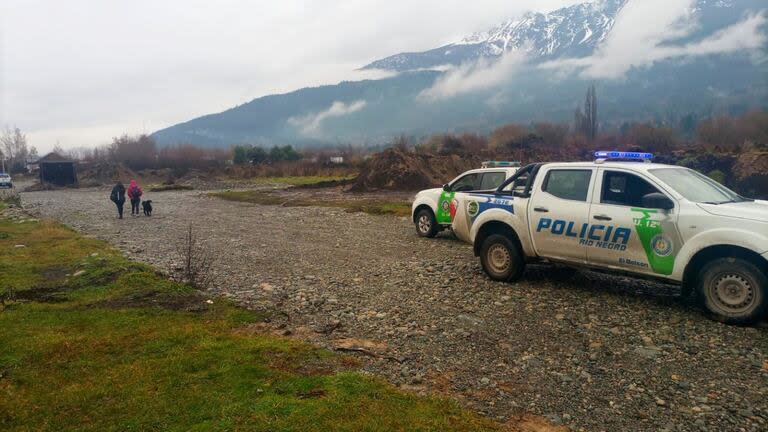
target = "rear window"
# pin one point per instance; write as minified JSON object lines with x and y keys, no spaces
{"x":469,"y":182}
{"x":492,"y":180}
{"x":568,"y":184}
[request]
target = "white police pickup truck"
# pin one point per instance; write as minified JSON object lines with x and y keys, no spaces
{"x":645,"y":219}
{"x":431,"y":210}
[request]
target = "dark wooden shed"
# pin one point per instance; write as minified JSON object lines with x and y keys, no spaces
{"x":58,"y":170}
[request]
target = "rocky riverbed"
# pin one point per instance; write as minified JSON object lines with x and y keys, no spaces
{"x":588,"y":351}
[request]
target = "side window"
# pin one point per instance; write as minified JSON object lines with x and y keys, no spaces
{"x":568,"y":184}
{"x":625,"y":189}
{"x":519,"y":184}
{"x":469,"y":182}
{"x":519,"y":180}
{"x":492,"y":180}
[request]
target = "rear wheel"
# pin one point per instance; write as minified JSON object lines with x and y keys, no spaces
{"x":733,"y":291}
{"x":426,"y":225}
{"x":502,"y":259}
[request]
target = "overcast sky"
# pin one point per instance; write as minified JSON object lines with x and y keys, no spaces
{"x":80,"y":71}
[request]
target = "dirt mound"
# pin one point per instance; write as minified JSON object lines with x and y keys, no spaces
{"x":751,"y":174}
{"x":37,"y":187}
{"x":397,"y":169}
{"x":751,"y":164}
{"x":745,"y":173}
{"x":103,"y":173}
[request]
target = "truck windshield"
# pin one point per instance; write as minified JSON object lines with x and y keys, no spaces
{"x":696,"y":187}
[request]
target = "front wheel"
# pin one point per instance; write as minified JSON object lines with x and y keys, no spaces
{"x":426,"y":225}
{"x":733,"y":291}
{"x":502,"y":259}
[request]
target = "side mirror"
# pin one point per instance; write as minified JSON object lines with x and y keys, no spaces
{"x":447,"y":187}
{"x":657,"y":200}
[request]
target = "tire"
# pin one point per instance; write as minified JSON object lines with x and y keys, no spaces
{"x":426,"y":225}
{"x":733,"y":291}
{"x":502,"y":259}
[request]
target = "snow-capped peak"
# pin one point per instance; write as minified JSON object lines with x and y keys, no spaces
{"x":573,"y":31}
{"x":585,"y":23}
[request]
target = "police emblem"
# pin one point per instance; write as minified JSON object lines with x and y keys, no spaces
{"x":473,"y":208}
{"x":445,"y":205}
{"x":661,"y":245}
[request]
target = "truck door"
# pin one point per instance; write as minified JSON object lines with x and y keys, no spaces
{"x":627,"y":235}
{"x":465,"y":183}
{"x":558,"y":212}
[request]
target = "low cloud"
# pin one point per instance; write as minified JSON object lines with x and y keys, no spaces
{"x":483,"y":74}
{"x":311,"y":124}
{"x":641,"y":37}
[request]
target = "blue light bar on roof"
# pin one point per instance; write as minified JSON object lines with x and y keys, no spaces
{"x":623,"y":155}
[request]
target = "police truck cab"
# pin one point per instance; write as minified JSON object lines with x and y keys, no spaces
{"x":622,"y":213}
{"x":431,"y":209}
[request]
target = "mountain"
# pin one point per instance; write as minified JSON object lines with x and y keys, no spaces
{"x":473,"y":99}
{"x":573,"y":31}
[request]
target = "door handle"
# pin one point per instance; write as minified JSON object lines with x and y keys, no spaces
{"x":541,"y":209}
{"x":602,"y":217}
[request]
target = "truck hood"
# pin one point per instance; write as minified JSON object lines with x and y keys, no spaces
{"x":432,"y":191}
{"x":752,"y":210}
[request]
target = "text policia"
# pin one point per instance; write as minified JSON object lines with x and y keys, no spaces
{"x":607,"y":237}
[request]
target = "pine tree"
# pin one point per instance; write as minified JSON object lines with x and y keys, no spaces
{"x":585,"y":122}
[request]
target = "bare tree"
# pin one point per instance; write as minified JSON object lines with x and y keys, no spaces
{"x":137,"y":152}
{"x":197,"y":259}
{"x":13,"y":144}
{"x":552,"y":134}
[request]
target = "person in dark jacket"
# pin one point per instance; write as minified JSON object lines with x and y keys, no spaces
{"x":134,"y":194}
{"x":118,"y":197}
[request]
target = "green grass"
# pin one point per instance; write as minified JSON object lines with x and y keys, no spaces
{"x":371,"y":206}
{"x":121,"y":348}
{"x":170,"y":187}
{"x":302,"y":180}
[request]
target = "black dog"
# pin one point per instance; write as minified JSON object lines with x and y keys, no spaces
{"x":147,"y":207}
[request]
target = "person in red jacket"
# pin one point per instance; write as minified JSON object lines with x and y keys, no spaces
{"x":134,"y":194}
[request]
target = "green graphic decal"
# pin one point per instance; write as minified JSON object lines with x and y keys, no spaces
{"x":657,"y":245}
{"x":443,"y":215}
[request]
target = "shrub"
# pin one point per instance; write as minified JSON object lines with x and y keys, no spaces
{"x":717,"y":176}
{"x":197,"y":259}
{"x":504,"y":137}
{"x":652,"y":139}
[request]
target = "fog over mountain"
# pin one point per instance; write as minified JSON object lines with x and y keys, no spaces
{"x":668,"y":61}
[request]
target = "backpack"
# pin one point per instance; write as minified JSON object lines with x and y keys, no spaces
{"x":117,"y":193}
{"x":135,"y":192}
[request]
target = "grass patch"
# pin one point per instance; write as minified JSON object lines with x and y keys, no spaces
{"x":303,"y":180}
{"x":124,"y":348}
{"x":370,"y":206}
{"x":169,"y":187}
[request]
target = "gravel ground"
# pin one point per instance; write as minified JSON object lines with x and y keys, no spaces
{"x":588,"y":351}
